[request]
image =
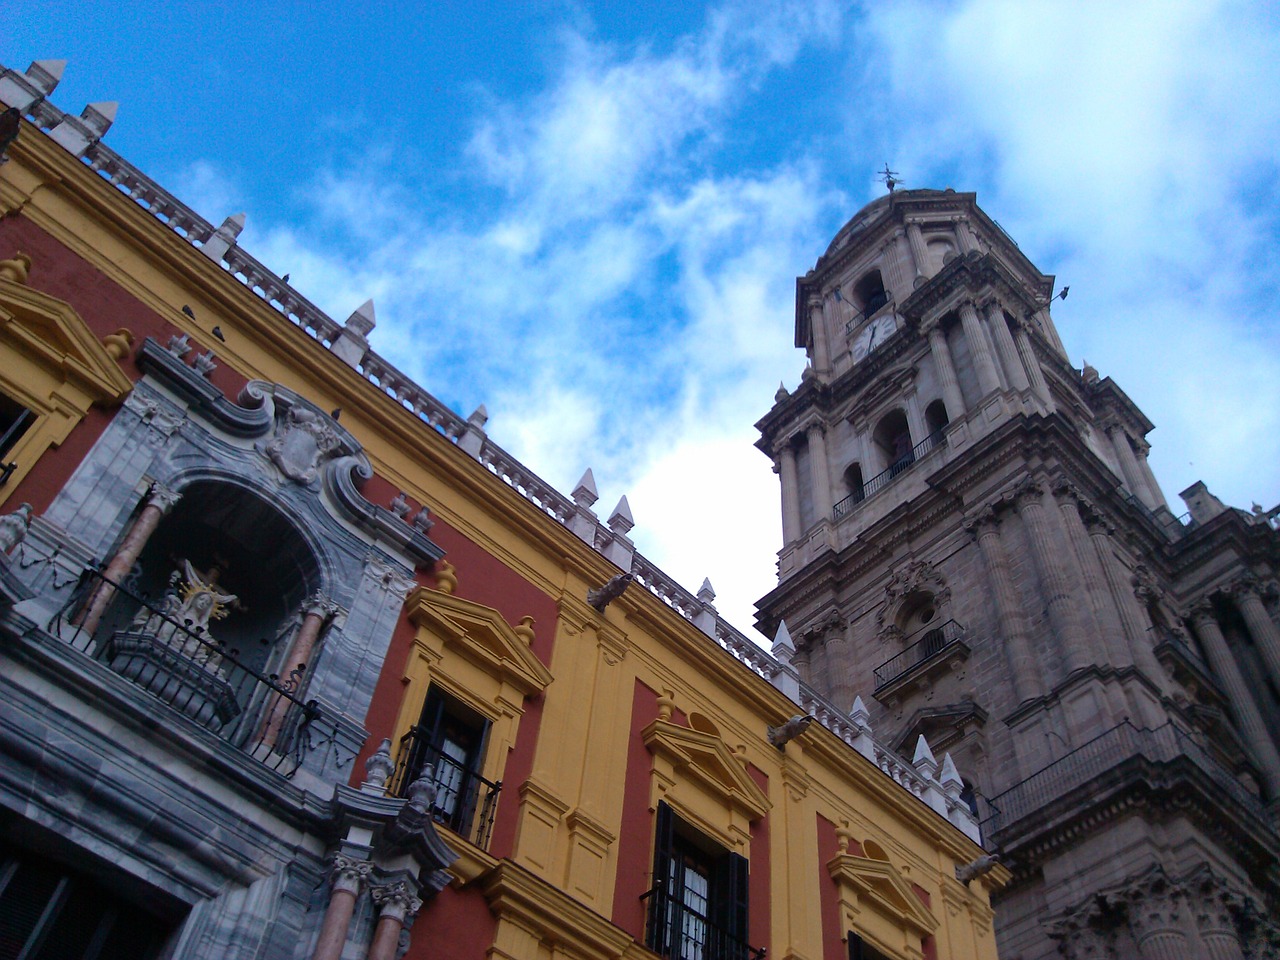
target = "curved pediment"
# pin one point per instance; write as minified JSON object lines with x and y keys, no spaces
{"x":878,"y":884}
{"x":480,"y":634}
{"x":706,"y":758}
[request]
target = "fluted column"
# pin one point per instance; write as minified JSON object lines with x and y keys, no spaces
{"x":919,"y":253}
{"x":1148,"y":477}
{"x":915,"y":418}
{"x":821,"y":470}
{"x":1248,"y":718}
{"x":988,"y":380}
{"x":1261,"y":627}
{"x":1017,"y":645}
{"x":1156,"y":912}
{"x":790,"y":495}
{"x":1128,"y":463}
{"x":1217,"y":924}
{"x":951,"y":395}
{"x":1029,"y":362}
{"x":396,"y":903}
{"x":965,"y":237}
{"x":1048,"y":559}
{"x":317,"y":611}
{"x":160,"y":500}
{"x":1103,"y":614}
{"x":818,"y":331}
{"x":1124,"y":647}
{"x":1005,"y":348}
{"x":347,"y":877}
{"x":893,"y":258}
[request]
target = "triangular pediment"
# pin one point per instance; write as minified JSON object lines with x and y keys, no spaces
{"x":480,"y":634}
{"x":52,"y":333}
{"x":939,"y":725}
{"x":707,"y":758}
{"x":879,"y":884}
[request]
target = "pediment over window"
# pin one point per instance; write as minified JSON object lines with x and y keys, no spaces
{"x":878,"y":884}
{"x":50,"y":332}
{"x":707,"y":759}
{"x":481,"y":635}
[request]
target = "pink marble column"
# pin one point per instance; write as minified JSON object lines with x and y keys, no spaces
{"x":160,"y":500}
{"x":396,"y":903}
{"x":317,"y":611}
{"x":348,"y":877}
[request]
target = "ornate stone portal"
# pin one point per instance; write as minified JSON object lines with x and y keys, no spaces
{"x":170,"y":652}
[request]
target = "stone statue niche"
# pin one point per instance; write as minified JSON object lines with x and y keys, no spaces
{"x":171,"y":652}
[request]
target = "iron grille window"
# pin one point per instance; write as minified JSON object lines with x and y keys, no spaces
{"x":697,"y":908}
{"x":48,"y":912}
{"x":14,"y":421}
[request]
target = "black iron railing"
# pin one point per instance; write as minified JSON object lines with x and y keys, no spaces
{"x":465,"y":802}
{"x":866,"y":313}
{"x":674,"y":929}
{"x":930,"y":645}
{"x":1104,"y":753}
{"x":885,"y":477}
{"x":200,"y":678}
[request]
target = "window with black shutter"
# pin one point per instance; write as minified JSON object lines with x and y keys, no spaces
{"x":698,"y":905}
{"x":14,"y":421}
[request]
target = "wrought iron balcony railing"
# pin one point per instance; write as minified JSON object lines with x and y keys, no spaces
{"x":885,"y":477}
{"x":675,"y":930}
{"x":465,"y":802}
{"x":261,"y":714}
{"x":866,"y":313}
{"x":1104,"y":753}
{"x":932,"y":644}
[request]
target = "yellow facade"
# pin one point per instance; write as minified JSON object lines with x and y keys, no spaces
{"x":890,"y":875}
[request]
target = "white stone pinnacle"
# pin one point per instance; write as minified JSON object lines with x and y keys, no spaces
{"x":98,"y":117}
{"x":479,"y":417}
{"x":585,"y":493}
{"x":46,"y":74}
{"x":949,"y":777}
{"x":859,"y":713}
{"x":621,"y":521}
{"x":782,"y":642}
{"x":923,"y":753}
{"x":362,"y":320}
{"x":706,"y":593}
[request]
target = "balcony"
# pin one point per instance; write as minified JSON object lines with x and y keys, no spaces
{"x":192,"y":675}
{"x":938,"y":651}
{"x":1120,"y":757}
{"x":885,"y":477}
{"x":465,"y":802}
{"x":870,"y":310}
{"x":677,"y":931}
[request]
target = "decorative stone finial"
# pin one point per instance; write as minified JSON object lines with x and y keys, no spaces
{"x":400,"y":505}
{"x":781,"y":393}
{"x":584,"y":494}
{"x":524,"y":630}
{"x":446,"y":577}
{"x":422,"y":792}
{"x":859,"y":713}
{"x":422,"y":520}
{"x":118,"y":344}
{"x":204,"y":364}
{"x":924,"y":761}
{"x":783,"y":648}
{"x":621,"y":521}
{"x":378,"y":769}
{"x":949,"y":777}
{"x":179,"y":345}
{"x":362,"y":320}
{"x":666,"y":704}
{"x":15,"y":269}
{"x":479,"y":417}
{"x":706,"y":593}
{"x":46,"y":74}
{"x":14,"y":526}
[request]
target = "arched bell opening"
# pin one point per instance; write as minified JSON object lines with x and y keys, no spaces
{"x":892,"y":439}
{"x":935,"y":417}
{"x":869,"y":293}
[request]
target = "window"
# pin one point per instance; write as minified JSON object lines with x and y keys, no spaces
{"x":860,"y":950}
{"x":698,"y":903}
{"x":48,"y":911}
{"x":449,"y":739}
{"x":14,"y":421}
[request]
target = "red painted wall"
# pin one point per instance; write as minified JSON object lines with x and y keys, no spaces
{"x":454,"y":925}
{"x":635,"y":834}
{"x":833,"y":946}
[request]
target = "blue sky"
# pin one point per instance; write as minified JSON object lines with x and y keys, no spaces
{"x":590,"y":217}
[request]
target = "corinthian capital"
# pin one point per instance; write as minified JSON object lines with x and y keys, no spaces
{"x":162,"y":498}
{"x":397,"y":900}
{"x":349,"y":874}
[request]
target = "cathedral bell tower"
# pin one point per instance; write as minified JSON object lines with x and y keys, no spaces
{"x":974,"y":544}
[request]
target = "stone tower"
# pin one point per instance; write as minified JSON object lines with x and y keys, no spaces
{"x":976,"y":546}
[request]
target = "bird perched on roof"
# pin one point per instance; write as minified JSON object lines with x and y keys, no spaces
{"x":188,"y":311}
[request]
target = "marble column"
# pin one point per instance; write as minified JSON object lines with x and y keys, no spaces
{"x":818,"y":331}
{"x":1047,"y":555}
{"x":988,"y":380}
{"x":317,"y":611}
{"x":821,"y":470}
{"x":790,"y":495}
{"x":919,"y":253}
{"x":1005,"y":348}
{"x":1266,"y":638}
{"x":951,"y":395}
{"x":160,"y":500}
{"x":1017,"y":645}
{"x":1029,"y":362}
{"x":1253,"y":728}
{"x":347,"y":878}
{"x":396,"y":903}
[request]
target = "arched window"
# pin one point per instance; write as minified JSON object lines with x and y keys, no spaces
{"x":870,"y":293}
{"x":892,"y":437}
{"x":853,"y":482}
{"x":935,"y":416}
